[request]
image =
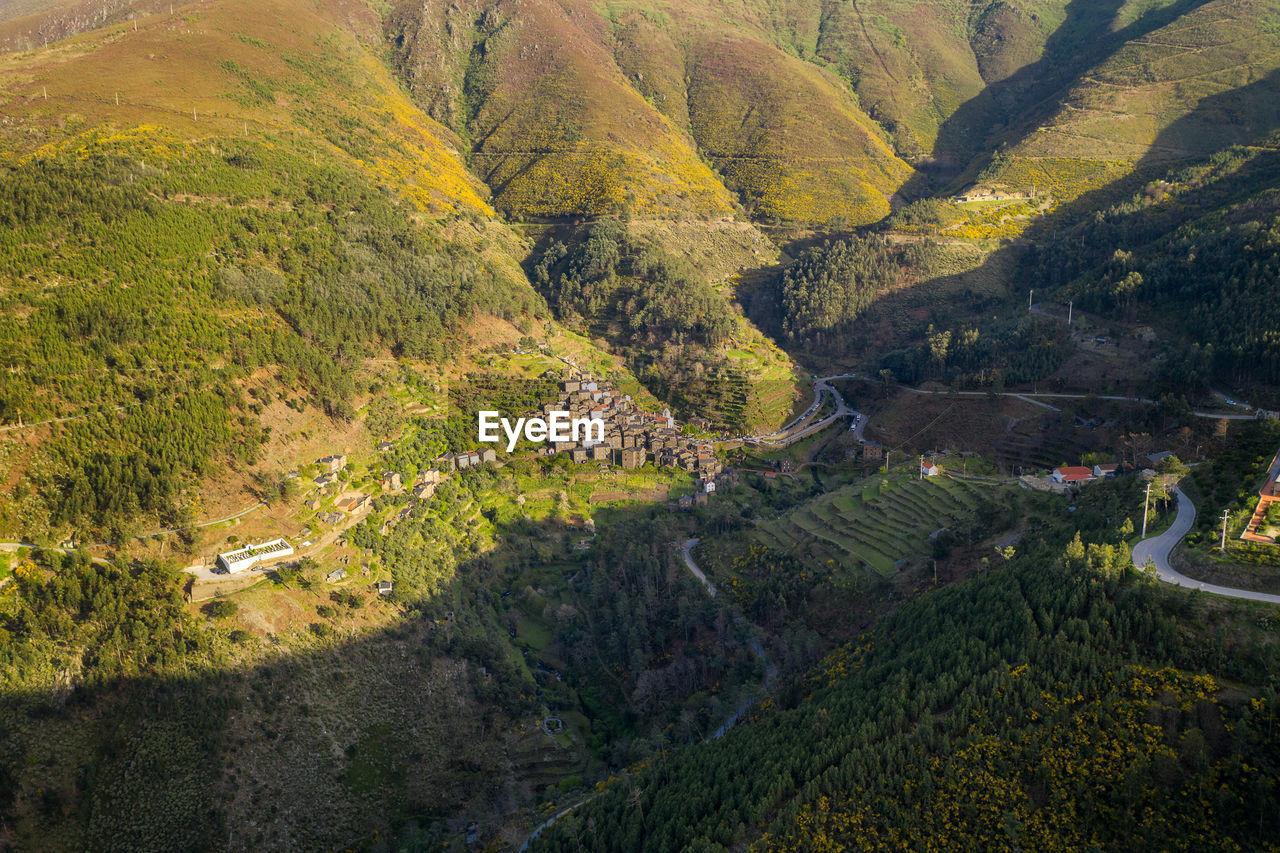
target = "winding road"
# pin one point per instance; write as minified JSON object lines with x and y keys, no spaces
{"x":687,"y":551}
{"x":796,"y":430}
{"x":1158,"y":548}
{"x":1035,"y":397}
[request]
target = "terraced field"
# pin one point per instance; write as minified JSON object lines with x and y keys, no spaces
{"x":879,"y":523}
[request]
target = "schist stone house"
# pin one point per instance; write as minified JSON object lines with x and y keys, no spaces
{"x":352,"y":502}
{"x":467,"y":459}
{"x":631,"y":457}
{"x":332,"y":464}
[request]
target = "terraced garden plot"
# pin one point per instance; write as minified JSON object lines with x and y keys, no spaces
{"x":847,"y":503}
{"x":876,"y":524}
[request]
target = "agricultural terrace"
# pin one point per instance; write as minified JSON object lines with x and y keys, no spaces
{"x":881,"y":523}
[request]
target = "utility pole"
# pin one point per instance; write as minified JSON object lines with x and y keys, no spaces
{"x":1223,"y":546}
{"x":1146,"y":503}
{"x":886,"y":460}
{"x":921,"y":466}
{"x":1070,"y":305}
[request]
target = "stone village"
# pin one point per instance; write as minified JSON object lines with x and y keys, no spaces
{"x":620,"y":434}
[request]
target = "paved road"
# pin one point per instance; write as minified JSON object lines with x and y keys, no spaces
{"x":555,"y":817}
{"x":769,"y":671}
{"x":1036,"y":309}
{"x":1158,"y":548}
{"x":693,"y":567}
{"x":792,"y":432}
{"x":789,"y":434}
{"x":1024,"y":398}
{"x":756,"y":649}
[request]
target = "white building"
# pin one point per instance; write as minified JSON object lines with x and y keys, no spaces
{"x":251,"y":555}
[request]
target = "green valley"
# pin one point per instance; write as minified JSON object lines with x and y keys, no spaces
{"x":926,"y":367}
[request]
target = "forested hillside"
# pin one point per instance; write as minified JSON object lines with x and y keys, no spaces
{"x":662,"y":314}
{"x":1058,"y":703}
{"x":151,"y":281}
{"x":176,"y":251}
{"x":1193,"y":249}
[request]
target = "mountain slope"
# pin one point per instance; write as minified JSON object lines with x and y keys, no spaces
{"x":222,"y":231}
{"x":1192,"y":250}
{"x":570,"y":113}
{"x":1120,"y":108}
{"x":787,"y":137}
{"x":555,"y":129}
{"x":223,"y":69}
{"x":1143,"y":100}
